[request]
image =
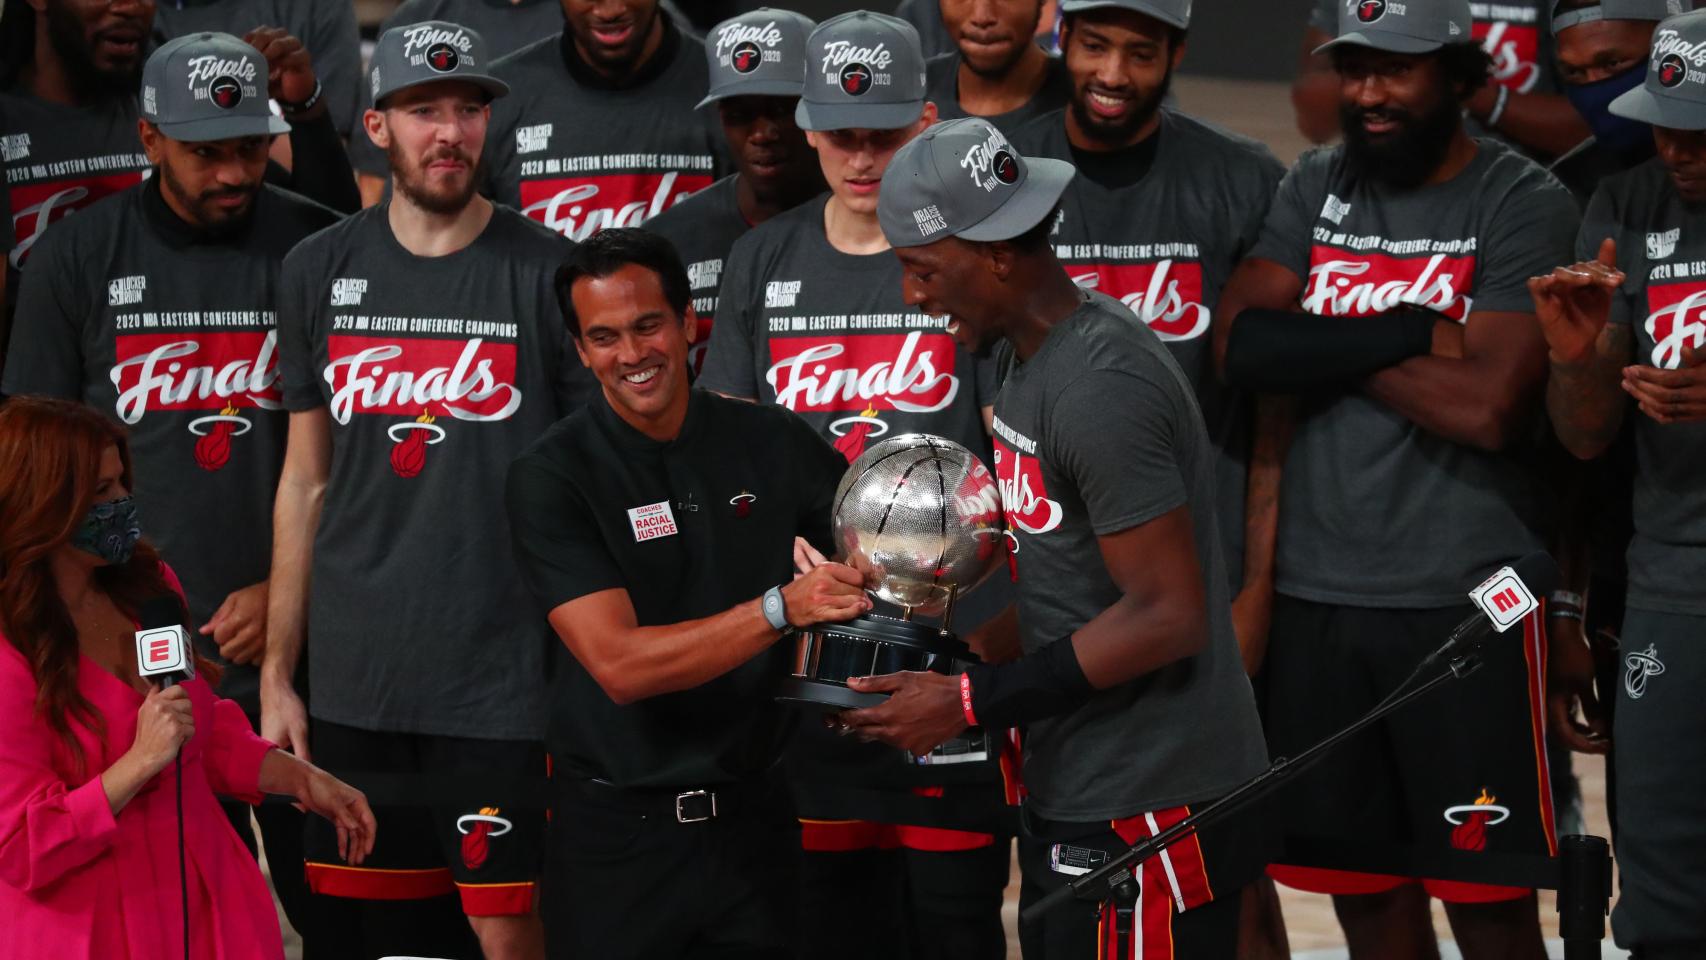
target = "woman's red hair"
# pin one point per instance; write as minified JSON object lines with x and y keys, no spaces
{"x":50,"y":465}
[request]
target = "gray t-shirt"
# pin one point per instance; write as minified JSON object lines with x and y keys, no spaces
{"x":1661,"y":248}
{"x":829,"y":336}
{"x":505,"y":25}
{"x":1517,"y":34}
{"x":578,"y":154}
{"x":437,"y":372}
{"x":175,"y":337}
{"x":60,"y":159}
{"x":326,"y":27}
{"x":1165,"y":246}
{"x":1374,"y":510}
{"x":1095,"y":434}
{"x":942,"y":87}
{"x":703,"y":228}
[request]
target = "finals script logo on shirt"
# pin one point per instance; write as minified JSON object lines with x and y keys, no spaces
{"x":1166,"y":295}
{"x":579,"y":206}
{"x":1362,"y":276}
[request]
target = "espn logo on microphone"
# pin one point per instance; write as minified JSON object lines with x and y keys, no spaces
{"x":1504,"y":599}
{"x":162,"y":650}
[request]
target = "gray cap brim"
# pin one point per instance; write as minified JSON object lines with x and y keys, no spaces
{"x":492,"y":85}
{"x":1045,"y":181}
{"x":857,"y":116}
{"x":1381,"y":40}
{"x":752,"y":88}
{"x":223,"y":128}
{"x":1137,"y":6}
{"x":1660,"y":111}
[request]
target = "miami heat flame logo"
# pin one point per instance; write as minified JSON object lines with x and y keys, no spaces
{"x":1005,"y":167}
{"x":478,"y":830}
{"x":442,"y":57}
{"x":1369,"y":11}
{"x":1470,"y":821}
{"x":214,"y":433}
{"x":1637,"y":667}
{"x":225,"y":92}
{"x":1672,"y":70}
{"x":855,"y":79}
{"x":408,"y":455}
{"x":853,"y":433}
{"x":746,"y":57}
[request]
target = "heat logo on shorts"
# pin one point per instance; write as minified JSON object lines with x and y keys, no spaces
{"x":1471,"y":820}
{"x":1638,"y":667}
{"x":478,"y":831}
{"x":1167,"y":296}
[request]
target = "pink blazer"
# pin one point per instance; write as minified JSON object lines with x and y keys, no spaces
{"x":80,"y":884}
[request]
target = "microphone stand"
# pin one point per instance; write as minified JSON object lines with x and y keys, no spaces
{"x":1461,"y":655}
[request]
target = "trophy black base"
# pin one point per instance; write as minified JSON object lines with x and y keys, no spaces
{"x":828,"y":654}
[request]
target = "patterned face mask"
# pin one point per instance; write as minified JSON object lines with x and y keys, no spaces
{"x":110,"y":531}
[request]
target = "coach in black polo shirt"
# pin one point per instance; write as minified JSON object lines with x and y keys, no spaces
{"x":659,"y":530}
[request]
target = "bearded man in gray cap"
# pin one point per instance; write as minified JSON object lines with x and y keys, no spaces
{"x":1624,"y":322}
{"x":420,"y":355}
{"x":1130,"y":687}
{"x":1419,"y":367}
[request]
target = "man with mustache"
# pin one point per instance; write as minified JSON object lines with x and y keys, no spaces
{"x":68,"y":113}
{"x":758,"y":66}
{"x":997,"y":71}
{"x":1522,"y":106}
{"x":1622,"y":324}
{"x":200,"y":241}
{"x":602,"y":130}
{"x":1419,"y":367}
{"x":419,"y":357}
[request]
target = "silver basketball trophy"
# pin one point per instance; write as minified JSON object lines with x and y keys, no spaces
{"x":920,"y":517}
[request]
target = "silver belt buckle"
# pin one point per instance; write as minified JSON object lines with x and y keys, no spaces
{"x":681,"y":817}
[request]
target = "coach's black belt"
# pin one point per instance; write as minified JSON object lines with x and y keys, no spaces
{"x":690,"y":805}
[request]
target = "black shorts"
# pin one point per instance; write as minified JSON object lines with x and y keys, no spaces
{"x":1187,"y":904}
{"x":488,"y":853}
{"x":1462,"y":768}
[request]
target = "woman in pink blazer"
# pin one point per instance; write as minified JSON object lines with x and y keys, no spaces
{"x":88,"y":825}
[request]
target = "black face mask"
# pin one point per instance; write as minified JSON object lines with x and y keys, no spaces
{"x":1629,"y":139}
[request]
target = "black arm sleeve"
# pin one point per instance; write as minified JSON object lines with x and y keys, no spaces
{"x":320,"y":167}
{"x":1277,"y":351}
{"x":1042,"y":684}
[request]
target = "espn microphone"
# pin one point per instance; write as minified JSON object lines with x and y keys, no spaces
{"x":163,"y":645}
{"x":1504,"y":599}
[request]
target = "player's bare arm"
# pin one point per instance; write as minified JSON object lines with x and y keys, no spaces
{"x":1586,"y":353}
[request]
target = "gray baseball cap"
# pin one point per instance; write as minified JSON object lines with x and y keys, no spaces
{"x":961,"y":178}
{"x":1654,"y":10}
{"x":208,"y":86}
{"x":864,"y":70}
{"x":1174,"y":13}
{"x":418,"y":53}
{"x":1674,"y":94}
{"x":762,"y":53}
{"x":1402,"y":26}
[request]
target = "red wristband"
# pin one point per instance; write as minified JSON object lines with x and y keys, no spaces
{"x":965,"y":699}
